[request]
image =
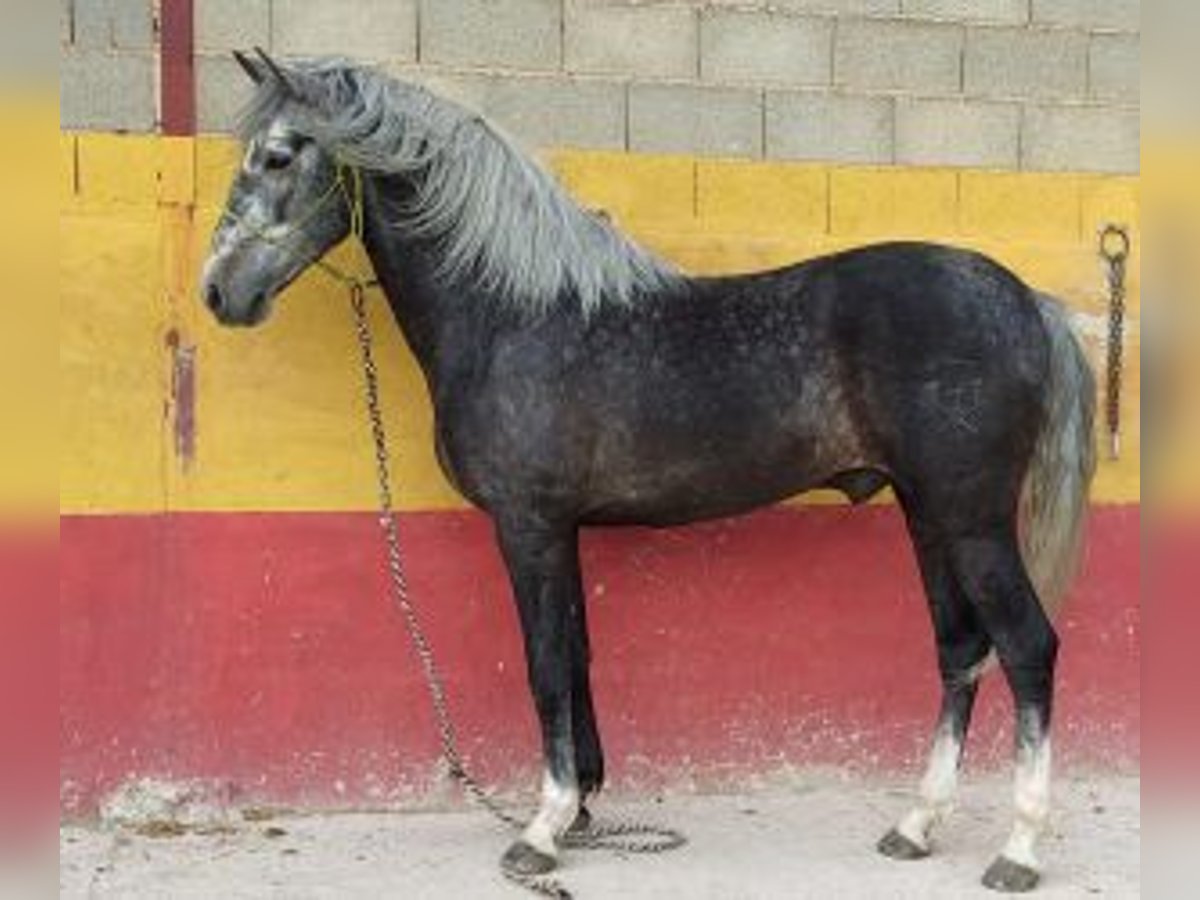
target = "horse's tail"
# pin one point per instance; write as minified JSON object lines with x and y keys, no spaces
{"x":1054,"y":498}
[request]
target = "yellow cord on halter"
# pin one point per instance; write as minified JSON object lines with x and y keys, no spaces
{"x":351,"y":188}
{"x":353,"y":192}
{"x":354,"y":200}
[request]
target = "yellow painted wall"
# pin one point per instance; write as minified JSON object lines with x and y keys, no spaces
{"x":279,"y":418}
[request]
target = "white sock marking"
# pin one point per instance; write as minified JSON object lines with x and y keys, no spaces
{"x":937,"y":789}
{"x":560,"y":805}
{"x":1032,"y":801}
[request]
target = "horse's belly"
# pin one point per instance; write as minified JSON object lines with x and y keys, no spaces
{"x":672,"y":494}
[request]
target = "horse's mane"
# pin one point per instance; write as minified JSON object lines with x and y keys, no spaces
{"x":501,"y":219}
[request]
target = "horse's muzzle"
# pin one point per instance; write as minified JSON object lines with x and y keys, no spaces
{"x":228,"y":312}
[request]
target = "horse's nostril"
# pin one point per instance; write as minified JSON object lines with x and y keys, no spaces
{"x":212,"y":297}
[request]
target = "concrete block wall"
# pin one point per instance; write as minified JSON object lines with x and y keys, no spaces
{"x":107,"y":76}
{"x":1012,"y":84}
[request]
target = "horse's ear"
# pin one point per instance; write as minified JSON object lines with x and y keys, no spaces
{"x":249,"y":66}
{"x":285,"y":80}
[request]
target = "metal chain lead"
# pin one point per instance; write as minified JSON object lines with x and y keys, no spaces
{"x":622,"y":837}
{"x":1114,"y":248}
{"x":626,"y":837}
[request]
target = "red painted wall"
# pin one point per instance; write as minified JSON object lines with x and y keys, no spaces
{"x":263,"y":650}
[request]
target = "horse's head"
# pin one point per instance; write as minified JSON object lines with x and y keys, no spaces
{"x":287,"y":206}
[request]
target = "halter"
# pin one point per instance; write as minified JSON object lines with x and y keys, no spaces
{"x":348,"y":184}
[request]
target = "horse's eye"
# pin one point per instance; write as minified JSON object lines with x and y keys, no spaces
{"x":277,"y":160}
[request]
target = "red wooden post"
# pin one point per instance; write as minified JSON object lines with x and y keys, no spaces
{"x":178,"y":69}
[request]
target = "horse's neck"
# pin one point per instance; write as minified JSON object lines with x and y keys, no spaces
{"x":433,"y":316}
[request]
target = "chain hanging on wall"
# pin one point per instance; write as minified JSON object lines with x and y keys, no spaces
{"x":1114,"y":249}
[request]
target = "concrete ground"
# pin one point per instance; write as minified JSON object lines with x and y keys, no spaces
{"x":811,"y":839}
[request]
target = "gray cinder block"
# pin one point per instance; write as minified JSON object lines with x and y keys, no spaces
{"x":1007,"y":11}
{"x":851,"y":7}
{"x":757,"y":46}
{"x":114,"y":24}
{"x":898,"y":55}
{"x":653,"y":41}
{"x":956,"y":132}
{"x":103,"y":90}
{"x":223,"y":25}
{"x":1085,"y":138}
{"x":688,"y":119}
{"x":1114,"y":67}
{"x":361,"y":29}
{"x":1025,"y":63}
{"x":1121,"y":15}
{"x":821,"y":126}
{"x":524,"y":34}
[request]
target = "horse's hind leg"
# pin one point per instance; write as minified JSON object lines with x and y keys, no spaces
{"x":990,"y":570}
{"x":962,"y":646}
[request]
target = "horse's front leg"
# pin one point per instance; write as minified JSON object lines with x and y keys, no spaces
{"x":589,"y":754}
{"x":543,"y":563}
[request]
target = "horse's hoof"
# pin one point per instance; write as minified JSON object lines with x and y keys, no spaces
{"x":525,"y":859}
{"x":896,"y":846}
{"x":1010,"y":877}
{"x":582,"y":823}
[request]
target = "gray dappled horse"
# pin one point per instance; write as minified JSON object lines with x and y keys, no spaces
{"x":578,"y":380}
